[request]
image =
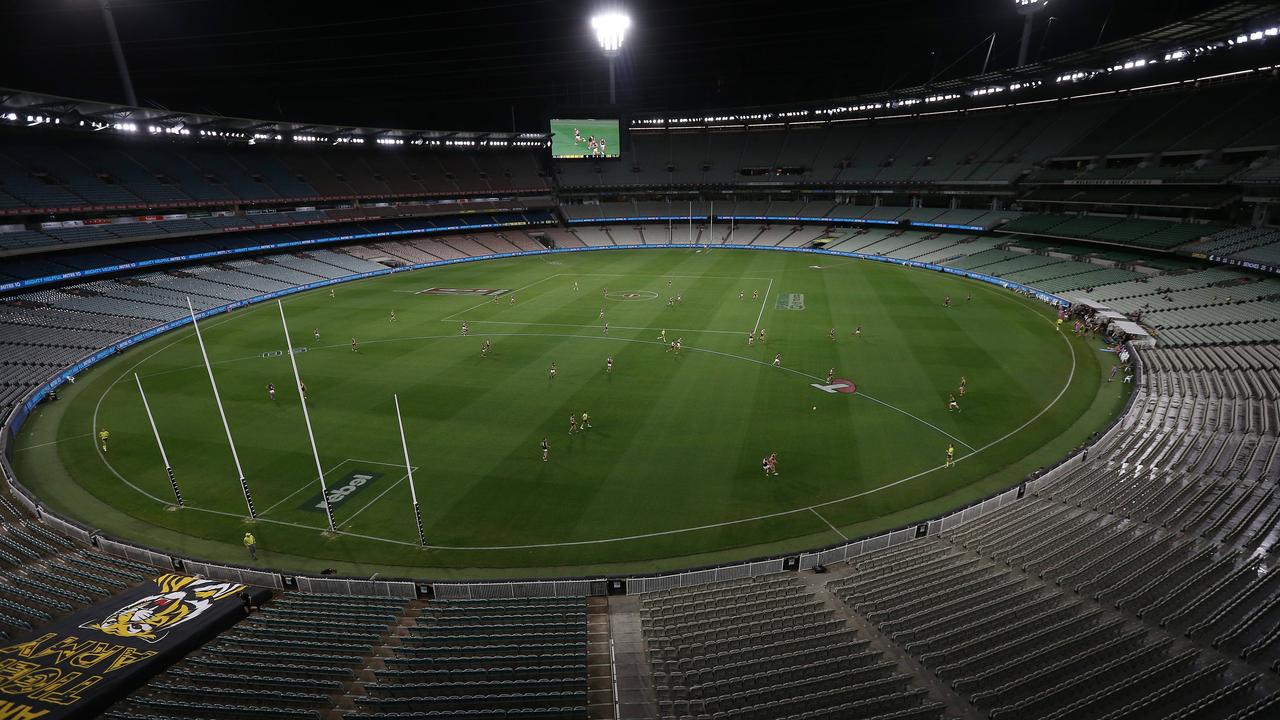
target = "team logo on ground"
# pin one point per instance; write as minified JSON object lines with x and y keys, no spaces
{"x":486,"y":292}
{"x":837,"y":385}
{"x":342,"y":490}
{"x":632,"y":295}
{"x":181,"y":599}
{"x":790,"y":301}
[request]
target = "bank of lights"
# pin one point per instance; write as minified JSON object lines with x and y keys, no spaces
{"x":611,"y":28}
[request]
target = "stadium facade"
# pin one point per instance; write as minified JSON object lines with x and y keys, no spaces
{"x":1134,"y":579}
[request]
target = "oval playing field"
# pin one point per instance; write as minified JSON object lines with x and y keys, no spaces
{"x":667,"y":475}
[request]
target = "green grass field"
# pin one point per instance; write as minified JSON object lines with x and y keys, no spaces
{"x":562,"y":144}
{"x":668,"y":476}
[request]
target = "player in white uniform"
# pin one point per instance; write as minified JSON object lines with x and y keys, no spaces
{"x":393,"y":316}
{"x":466,"y":329}
{"x":484,"y":349}
{"x":606,"y":328}
{"x":663,"y":335}
{"x":751,"y":339}
{"x":553,"y":372}
{"x":777,"y":360}
{"x":316,"y":334}
{"x":608,"y":364}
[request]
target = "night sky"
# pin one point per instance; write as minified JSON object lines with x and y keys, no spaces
{"x":469,"y":66}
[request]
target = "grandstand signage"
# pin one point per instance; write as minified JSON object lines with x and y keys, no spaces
{"x":80,"y":665}
{"x":1248,"y":264}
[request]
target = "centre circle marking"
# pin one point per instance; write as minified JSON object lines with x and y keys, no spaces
{"x":631,"y":295}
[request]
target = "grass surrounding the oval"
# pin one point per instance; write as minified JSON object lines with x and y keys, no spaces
{"x":676,"y":440}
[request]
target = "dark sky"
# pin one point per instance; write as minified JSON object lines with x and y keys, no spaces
{"x":443,"y":65}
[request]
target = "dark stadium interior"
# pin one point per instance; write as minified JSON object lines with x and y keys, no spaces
{"x":1129,"y":170}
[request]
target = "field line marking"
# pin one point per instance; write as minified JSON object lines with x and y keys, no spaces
{"x":667,"y":275}
{"x":512,"y":293}
{"x":376,"y":499}
{"x":53,"y":442}
{"x":304,"y":487}
{"x":763,"y":303}
{"x":98,"y":406}
{"x":914,"y":417}
{"x":781,"y":513}
{"x":376,"y":462}
{"x":596,"y":327}
{"x":828,"y":522}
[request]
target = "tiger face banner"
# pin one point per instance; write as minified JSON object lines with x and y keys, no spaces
{"x":79,"y":665}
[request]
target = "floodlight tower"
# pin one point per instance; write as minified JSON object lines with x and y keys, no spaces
{"x":1029,"y":9}
{"x":611,"y":28}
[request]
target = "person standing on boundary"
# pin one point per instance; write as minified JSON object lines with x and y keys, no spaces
{"x":251,"y":544}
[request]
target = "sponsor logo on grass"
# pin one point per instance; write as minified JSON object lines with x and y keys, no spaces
{"x":625,"y":295}
{"x":790,"y":301}
{"x":838,"y":385}
{"x":486,"y":292}
{"x":342,"y":490}
{"x":280,"y":353}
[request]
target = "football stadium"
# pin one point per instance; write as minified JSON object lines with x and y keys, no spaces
{"x":944,"y":383}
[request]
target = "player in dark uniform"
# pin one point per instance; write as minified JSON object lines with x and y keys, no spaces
{"x":546,"y":449}
{"x":271,"y":390}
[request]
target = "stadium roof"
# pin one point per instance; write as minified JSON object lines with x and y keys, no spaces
{"x":31,"y":109}
{"x":1212,"y":30}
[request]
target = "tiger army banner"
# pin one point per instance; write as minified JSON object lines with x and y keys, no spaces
{"x":79,"y":665}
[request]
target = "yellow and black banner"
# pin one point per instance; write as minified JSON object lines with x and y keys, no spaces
{"x":79,"y":665}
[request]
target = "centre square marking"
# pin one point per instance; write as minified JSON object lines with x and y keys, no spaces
{"x":838,"y":385}
{"x":631,"y":295}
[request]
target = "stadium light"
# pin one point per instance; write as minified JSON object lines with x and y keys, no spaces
{"x":611,"y":29}
{"x":122,"y":67}
{"x":1028,"y":8}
